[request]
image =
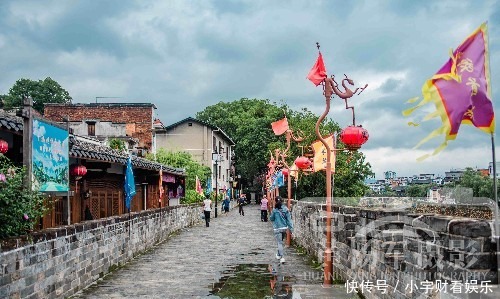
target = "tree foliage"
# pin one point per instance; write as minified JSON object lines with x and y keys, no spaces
{"x":20,"y":209}
{"x":117,"y":144}
{"x":248,"y":122}
{"x":193,"y":169}
{"x":482,"y":186}
{"x":41,"y":91}
{"x":416,"y":190}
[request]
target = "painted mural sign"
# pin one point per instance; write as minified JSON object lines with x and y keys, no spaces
{"x":50,"y":161}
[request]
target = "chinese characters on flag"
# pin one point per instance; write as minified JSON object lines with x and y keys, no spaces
{"x":460,"y":91}
{"x":319,"y":160}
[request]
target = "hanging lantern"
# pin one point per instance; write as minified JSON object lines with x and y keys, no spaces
{"x":78,"y":171}
{"x":284,"y":171}
{"x":303,"y":162}
{"x":4,"y":146}
{"x":354,"y":137}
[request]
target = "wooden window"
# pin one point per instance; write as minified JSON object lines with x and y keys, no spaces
{"x":91,"y":128}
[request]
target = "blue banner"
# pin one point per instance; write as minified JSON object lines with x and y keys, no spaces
{"x":209,"y":186}
{"x":129,"y":184}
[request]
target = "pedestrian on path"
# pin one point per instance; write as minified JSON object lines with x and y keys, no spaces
{"x":263,"y":209}
{"x":207,"y":208}
{"x":241,"y":203}
{"x":225,"y":204}
{"x":282,"y":222}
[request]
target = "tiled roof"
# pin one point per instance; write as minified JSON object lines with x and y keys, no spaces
{"x":88,"y":148}
{"x":11,"y":122}
{"x":110,"y":105}
{"x":81,"y":148}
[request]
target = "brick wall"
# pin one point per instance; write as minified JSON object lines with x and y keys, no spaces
{"x":400,"y":248}
{"x":58,"y":262}
{"x":138,"y":119}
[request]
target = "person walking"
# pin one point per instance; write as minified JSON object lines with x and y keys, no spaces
{"x":225,"y":204}
{"x":241,"y":203}
{"x":263,"y":209}
{"x":207,"y":208}
{"x":282,"y":220}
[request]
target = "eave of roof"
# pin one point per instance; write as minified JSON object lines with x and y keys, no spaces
{"x":11,"y":122}
{"x":79,"y":148}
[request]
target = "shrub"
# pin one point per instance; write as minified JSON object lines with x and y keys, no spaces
{"x":20,"y":209}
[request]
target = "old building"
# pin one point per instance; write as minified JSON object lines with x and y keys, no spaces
{"x":132,"y":123}
{"x":201,"y":140}
{"x":100,"y":186}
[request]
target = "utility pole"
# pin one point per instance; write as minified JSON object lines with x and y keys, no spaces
{"x":216,"y":157}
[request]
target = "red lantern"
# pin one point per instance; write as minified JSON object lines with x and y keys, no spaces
{"x":78,"y":170}
{"x":303,"y":162}
{"x":353,"y":137}
{"x":4,"y":146}
{"x":284,"y":171}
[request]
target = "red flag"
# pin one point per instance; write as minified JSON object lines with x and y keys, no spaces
{"x":280,"y":126}
{"x":318,"y":71}
{"x":199,"y":189}
{"x":160,"y":186}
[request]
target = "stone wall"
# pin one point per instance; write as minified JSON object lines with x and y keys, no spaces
{"x":56,"y":263}
{"x":409,"y":254}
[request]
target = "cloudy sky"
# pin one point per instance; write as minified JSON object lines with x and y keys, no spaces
{"x":185,"y":55}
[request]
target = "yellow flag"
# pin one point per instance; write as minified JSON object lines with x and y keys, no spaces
{"x":294,"y":171}
{"x":319,"y":160}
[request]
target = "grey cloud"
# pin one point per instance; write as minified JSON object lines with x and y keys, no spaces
{"x":183,"y":56}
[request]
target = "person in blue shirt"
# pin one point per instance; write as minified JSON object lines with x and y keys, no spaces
{"x":282,"y":221}
{"x":225,"y":204}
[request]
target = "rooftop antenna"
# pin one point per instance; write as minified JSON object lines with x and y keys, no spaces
{"x":106,"y":98}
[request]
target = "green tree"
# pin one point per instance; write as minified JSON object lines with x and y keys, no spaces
{"x":20,"y":209}
{"x":193,"y":170}
{"x":117,"y":144}
{"x":41,"y":91}
{"x":248,"y":122}
{"x":415,"y":190}
{"x":482,"y":186}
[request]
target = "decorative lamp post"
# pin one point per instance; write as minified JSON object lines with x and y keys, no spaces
{"x":4,"y":146}
{"x":280,"y":160}
{"x":352,"y":136}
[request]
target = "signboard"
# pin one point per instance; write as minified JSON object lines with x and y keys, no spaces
{"x":168,"y":178}
{"x":50,"y":160}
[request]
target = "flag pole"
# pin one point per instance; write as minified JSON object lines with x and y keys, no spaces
{"x":495,"y":189}
{"x":495,"y":206}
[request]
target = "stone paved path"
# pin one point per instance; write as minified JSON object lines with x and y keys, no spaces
{"x":233,"y":258}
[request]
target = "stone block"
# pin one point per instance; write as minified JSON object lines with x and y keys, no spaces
{"x":470,"y":228}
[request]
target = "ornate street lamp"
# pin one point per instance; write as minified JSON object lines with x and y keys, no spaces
{"x":353,"y":137}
